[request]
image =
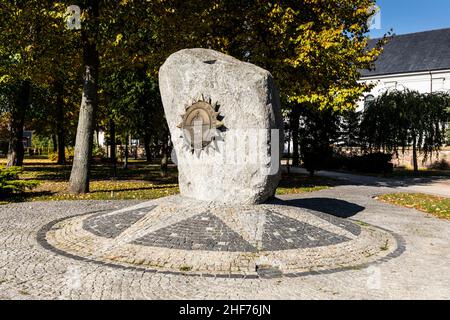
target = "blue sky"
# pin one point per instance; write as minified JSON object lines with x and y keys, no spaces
{"x":406,"y":16}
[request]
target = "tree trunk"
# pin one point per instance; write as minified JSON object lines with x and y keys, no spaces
{"x":295,"y":123}
{"x":416,"y":166}
{"x":60,"y":123}
{"x":148,"y":154}
{"x":288,"y":164}
{"x":54,"y":143}
{"x":15,"y":148}
{"x":165,"y":157}
{"x":125,"y":163}
{"x":112,"y":136}
{"x":97,"y":136}
{"x":79,"y":177}
{"x":164,"y":160}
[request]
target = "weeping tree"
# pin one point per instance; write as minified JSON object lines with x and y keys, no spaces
{"x":398,"y":120}
{"x":448,"y":131}
{"x":349,"y":129}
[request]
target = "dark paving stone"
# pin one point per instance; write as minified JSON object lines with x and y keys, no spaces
{"x":110,"y":226}
{"x":334,"y":211}
{"x":284,"y":233}
{"x":204,"y":231}
{"x":268,"y":272}
{"x":349,"y":226}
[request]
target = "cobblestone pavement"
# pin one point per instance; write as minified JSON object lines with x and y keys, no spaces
{"x":28,"y":270}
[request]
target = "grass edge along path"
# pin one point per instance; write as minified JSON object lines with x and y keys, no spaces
{"x":431,"y":204}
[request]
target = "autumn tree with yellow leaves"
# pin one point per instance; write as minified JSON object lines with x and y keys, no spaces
{"x":32,"y":53}
{"x":314,"y":49}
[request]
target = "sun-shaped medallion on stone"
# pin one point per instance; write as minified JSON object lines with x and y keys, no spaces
{"x":199,"y":125}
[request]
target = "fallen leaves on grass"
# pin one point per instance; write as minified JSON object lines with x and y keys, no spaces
{"x":139,"y":181}
{"x":437,"y":206}
{"x":294,"y":183}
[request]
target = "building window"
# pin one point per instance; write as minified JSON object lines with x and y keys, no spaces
{"x":368,"y":100}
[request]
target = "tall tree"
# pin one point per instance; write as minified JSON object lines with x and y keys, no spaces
{"x":313,"y":48}
{"x":295,"y":128}
{"x":18,"y":112}
{"x":119,"y":34}
{"x":79,"y":177}
{"x":29,"y":38}
{"x":60,"y":129}
{"x":18,"y":50}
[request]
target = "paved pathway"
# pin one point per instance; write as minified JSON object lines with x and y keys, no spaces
{"x":436,"y":185}
{"x":28,"y":271}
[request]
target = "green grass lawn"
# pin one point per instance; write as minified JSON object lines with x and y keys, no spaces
{"x":294,"y":183}
{"x":140,"y":181}
{"x":437,"y":206}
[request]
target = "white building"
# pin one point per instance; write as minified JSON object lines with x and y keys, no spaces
{"x":417,"y":61}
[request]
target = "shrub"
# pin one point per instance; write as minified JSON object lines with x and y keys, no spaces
{"x":98,"y":152}
{"x":10,"y":182}
{"x":53,"y":156}
{"x":371,"y":163}
{"x":440,"y":165}
{"x":316,"y":159}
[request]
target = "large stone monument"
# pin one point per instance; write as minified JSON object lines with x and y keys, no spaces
{"x":224,"y":118}
{"x":225,"y":121}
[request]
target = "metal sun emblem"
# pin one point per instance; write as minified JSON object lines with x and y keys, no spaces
{"x":199,"y":125}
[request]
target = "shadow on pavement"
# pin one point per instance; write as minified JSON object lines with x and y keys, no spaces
{"x":335,"y":207}
{"x":377,"y":181}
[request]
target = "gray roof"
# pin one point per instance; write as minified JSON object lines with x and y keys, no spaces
{"x":414,"y":52}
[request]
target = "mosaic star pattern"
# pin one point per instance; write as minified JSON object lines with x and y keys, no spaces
{"x":206,"y":231}
{"x":183,"y":235}
{"x":112,"y":225}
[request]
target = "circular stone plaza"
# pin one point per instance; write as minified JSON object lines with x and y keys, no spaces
{"x":184,"y":236}
{"x":335,"y":243}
